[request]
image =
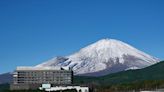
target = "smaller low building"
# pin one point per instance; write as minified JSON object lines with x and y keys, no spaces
{"x":48,"y":88}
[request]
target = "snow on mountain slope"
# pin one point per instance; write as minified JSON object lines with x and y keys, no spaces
{"x":103,"y":57}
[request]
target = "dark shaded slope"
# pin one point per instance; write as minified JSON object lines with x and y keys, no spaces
{"x":5,"y":78}
{"x":154,"y":72}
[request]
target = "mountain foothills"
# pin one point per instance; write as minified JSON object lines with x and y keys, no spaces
{"x":149,"y":78}
{"x":104,"y":57}
{"x":151,"y":73}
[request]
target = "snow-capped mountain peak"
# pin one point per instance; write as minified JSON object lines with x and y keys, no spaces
{"x":104,"y":57}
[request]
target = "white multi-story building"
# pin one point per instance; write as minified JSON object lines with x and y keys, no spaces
{"x":34,"y":77}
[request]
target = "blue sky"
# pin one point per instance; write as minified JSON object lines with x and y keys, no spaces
{"x":33,"y":31}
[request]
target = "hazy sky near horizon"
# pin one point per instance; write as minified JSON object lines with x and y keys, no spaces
{"x":33,"y":31}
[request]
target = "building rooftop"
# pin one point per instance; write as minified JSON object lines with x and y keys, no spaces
{"x":41,"y":68}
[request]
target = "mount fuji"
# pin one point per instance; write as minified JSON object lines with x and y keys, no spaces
{"x":103,"y":57}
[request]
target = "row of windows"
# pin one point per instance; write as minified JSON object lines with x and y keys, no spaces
{"x":42,"y":73}
{"x":44,"y":77}
{"x":37,"y":74}
{"x":43,"y":81}
{"x":47,"y":72}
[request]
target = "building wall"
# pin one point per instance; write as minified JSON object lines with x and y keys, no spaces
{"x":26,"y":78}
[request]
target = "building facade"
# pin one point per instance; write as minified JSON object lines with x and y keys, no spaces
{"x":25,"y":78}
